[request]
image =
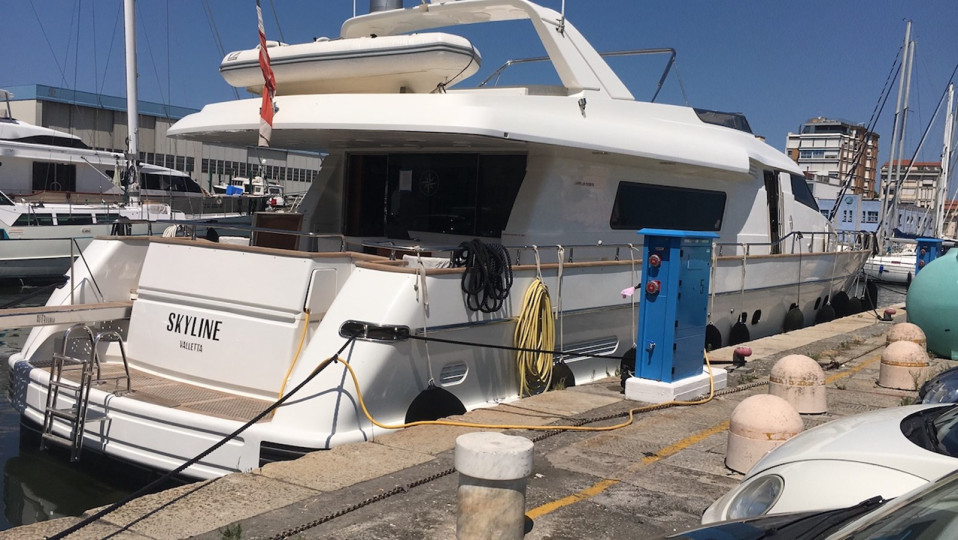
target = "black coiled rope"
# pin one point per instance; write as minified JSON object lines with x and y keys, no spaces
{"x":488,"y":275}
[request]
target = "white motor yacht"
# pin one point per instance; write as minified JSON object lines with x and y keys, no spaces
{"x":39,"y":240}
{"x":58,"y":194}
{"x":561,"y":177}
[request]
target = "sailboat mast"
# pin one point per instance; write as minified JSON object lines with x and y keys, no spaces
{"x":941,"y":194}
{"x":884,"y":219}
{"x":901,"y":136}
{"x":132,"y":114}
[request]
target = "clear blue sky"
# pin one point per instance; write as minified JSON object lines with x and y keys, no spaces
{"x":780,"y":62}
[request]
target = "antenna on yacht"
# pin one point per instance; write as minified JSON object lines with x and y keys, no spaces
{"x":561,"y":28}
{"x":6,"y":95}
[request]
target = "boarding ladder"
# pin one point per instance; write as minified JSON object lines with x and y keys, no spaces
{"x":88,"y":365}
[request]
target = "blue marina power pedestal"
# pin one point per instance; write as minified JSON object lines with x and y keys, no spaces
{"x":926,"y":251}
{"x":673,"y":313}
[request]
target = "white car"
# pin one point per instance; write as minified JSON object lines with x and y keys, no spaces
{"x":846,"y":461}
{"x":927,"y":513}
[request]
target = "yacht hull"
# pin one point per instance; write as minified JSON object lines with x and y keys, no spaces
{"x":222,"y":357}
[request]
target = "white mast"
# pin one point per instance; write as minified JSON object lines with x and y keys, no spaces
{"x":941,"y":194}
{"x":132,"y":114}
{"x":896,"y":134}
{"x":901,"y":136}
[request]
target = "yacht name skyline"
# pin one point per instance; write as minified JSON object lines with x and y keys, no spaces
{"x":193,"y":326}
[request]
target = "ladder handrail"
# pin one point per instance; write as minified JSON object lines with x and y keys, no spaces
{"x":76,"y":415}
{"x":109,"y":337}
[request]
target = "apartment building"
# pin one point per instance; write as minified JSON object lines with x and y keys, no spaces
{"x":917,"y":183}
{"x":832,"y":151}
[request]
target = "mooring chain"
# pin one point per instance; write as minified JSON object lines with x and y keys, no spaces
{"x":366,"y":502}
{"x":426,"y":479}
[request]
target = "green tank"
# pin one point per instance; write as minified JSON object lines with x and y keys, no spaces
{"x":932,"y":304}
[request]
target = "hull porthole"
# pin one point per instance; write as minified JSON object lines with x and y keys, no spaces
{"x":434,"y":403}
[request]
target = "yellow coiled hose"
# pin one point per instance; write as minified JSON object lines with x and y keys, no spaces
{"x":535,"y":330}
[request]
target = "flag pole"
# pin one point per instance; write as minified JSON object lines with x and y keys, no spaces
{"x":267,"y":108}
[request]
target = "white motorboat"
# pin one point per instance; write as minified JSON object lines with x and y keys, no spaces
{"x":563,"y":177}
{"x":897,"y":266}
{"x":39,"y":240}
{"x":369,"y":64}
{"x":41,"y":165}
{"x":40,"y":160}
{"x":256,"y":187}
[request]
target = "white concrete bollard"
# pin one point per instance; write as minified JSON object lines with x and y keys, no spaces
{"x":906,"y":332}
{"x":492,"y":485}
{"x":904,"y":366}
{"x":759,"y":423}
{"x":800,"y":381}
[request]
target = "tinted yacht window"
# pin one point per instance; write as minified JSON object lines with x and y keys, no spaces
{"x":463,"y":194}
{"x":54,"y":177}
{"x":802,"y":194}
{"x":74,"y":219}
{"x":167,"y":182}
{"x":639,"y":206}
{"x":30,"y":219}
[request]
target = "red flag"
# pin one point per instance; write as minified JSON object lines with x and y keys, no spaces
{"x":269,"y":86}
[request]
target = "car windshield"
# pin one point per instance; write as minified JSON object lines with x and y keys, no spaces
{"x":934,"y":429}
{"x":927,"y":514}
{"x":946,"y":430}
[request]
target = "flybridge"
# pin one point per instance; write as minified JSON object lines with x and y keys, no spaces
{"x":579,"y":66}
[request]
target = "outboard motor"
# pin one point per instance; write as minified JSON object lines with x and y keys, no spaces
{"x":383,"y":5}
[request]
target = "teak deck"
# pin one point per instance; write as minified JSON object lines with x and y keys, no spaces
{"x":169,"y":393}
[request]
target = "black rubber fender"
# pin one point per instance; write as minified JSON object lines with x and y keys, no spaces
{"x":840,"y":303}
{"x":627,"y":366}
{"x":738,"y":334}
{"x":870,"y":299}
{"x":825,"y":314}
{"x":713,"y":337}
{"x":434,"y":403}
{"x":562,"y":376}
{"x":794,"y":320}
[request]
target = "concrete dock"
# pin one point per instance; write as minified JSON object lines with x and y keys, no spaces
{"x":649,"y":478}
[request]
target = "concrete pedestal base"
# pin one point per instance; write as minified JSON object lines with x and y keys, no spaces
{"x":492,"y":485}
{"x":490,"y":509}
{"x":650,"y":391}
